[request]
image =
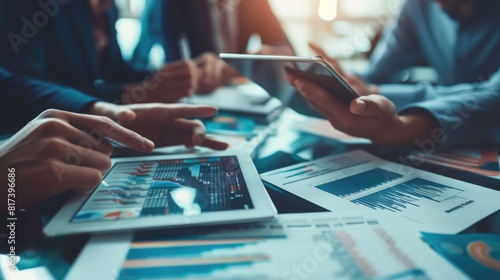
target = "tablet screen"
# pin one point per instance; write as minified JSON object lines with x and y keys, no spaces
{"x":167,"y":187}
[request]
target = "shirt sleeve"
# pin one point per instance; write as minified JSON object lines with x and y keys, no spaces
{"x":398,"y":48}
{"x":468,"y":114}
{"x":257,"y":16}
{"x":24,"y":98}
{"x":402,"y":94}
{"x":109,"y":92}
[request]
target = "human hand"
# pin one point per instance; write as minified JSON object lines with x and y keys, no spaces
{"x":60,"y":150}
{"x":168,"y":85}
{"x":165,"y":124}
{"x":214,"y":72}
{"x":373,"y":117}
{"x":358,"y":84}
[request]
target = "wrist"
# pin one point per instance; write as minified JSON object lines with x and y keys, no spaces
{"x":411,"y":128}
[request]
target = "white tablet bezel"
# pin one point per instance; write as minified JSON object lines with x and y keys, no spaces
{"x":61,"y":224}
{"x":292,"y":60}
{"x":311,"y":59}
{"x":295,"y":59}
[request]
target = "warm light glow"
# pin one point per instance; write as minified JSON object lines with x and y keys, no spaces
{"x":327,"y":9}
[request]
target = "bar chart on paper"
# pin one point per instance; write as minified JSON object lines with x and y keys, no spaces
{"x":258,"y":252}
{"x":293,"y":246}
{"x":396,"y":198}
{"x":359,"y":181}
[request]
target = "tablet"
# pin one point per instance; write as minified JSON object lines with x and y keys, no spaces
{"x":168,"y":191}
{"x":315,"y":69}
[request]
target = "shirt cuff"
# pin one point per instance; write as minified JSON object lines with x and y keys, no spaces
{"x":402,"y":95}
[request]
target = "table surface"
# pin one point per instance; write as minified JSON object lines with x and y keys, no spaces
{"x":283,"y":146}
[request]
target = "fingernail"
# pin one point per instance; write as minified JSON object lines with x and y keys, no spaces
{"x":148,"y":144}
{"x":122,"y":117}
{"x":360,"y":105}
{"x":125,"y":116}
{"x":302,"y":88}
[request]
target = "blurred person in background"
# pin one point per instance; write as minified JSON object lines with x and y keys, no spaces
{"x":460,"y":39}
{"x":212,"y":27}
{"x":74,"y":43}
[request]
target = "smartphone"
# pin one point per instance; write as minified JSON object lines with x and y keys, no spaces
{"x":315,"y":69}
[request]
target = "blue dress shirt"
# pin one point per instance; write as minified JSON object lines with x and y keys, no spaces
{"x":461,"y":51}
{"x":468,"y":114}
{"x":23,"y":98}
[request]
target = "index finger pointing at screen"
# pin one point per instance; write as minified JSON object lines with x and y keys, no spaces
{"x":107,"y":128}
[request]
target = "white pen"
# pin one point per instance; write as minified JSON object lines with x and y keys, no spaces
{"x":184,"y":47}
{"x":185,"y":50}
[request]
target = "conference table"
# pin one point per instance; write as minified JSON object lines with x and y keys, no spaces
{"x":275,"y":145}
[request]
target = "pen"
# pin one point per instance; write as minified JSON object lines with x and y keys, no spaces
{"x":185,"y":50}
{"x":184,"y":47}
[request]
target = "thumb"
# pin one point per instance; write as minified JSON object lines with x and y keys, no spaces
{"x":124,"y":115}
{"x":372,"y":106}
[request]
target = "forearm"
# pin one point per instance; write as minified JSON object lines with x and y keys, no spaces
{"x":464,"y":124}
{"x":34,"y":97}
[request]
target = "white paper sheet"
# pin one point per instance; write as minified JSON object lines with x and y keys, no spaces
{"x":320,"y":127}
{"x":296,"y":246}
{"x":359,"y":181}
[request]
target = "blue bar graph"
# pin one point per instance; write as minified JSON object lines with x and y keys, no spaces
{"x":395,"y":198}
{"x":359,"y":182}
{"x":399,"y":197}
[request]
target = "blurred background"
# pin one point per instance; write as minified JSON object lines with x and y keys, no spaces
{"x":347,"y":29}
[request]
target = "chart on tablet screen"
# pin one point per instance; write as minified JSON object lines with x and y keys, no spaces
{"x":168,"y":187}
